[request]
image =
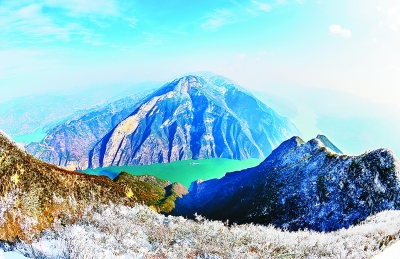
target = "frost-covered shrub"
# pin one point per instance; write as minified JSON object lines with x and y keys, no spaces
{"x":138,"y":232}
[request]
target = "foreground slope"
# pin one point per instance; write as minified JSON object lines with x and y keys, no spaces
{"x":193,"y":117}
{"x":34,"y":194}
{"x":121,"y":232}
{"x":301,"y":185}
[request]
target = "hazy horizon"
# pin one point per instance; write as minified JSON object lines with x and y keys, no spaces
{"x":342,"y":45}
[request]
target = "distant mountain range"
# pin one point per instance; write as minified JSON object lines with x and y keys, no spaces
{"x":354,"y":123}
{"x":193,"y":117}
{"x":41,"y":112}
{"x":301,"y":185}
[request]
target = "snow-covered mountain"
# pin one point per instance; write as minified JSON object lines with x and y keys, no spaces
{"x":301,"y":185}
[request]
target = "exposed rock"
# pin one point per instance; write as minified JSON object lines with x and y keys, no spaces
{"x":327,"y":143}
{"x":179,"y":189}
{"x":193,"y":117}
{"x":301,"y":185}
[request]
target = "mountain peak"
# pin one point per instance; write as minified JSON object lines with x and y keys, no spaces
{"x":194,"y":117}
{"x":327,"y":143}
{"x":186,"y":83}
{"x":205,"y":82}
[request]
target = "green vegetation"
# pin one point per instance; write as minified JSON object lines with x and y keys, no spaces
{"x":183,"y":172}
{"x":159,"y":194}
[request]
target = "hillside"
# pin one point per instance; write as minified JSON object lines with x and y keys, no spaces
{"x":34,"y":194}
{"x":68,"y":144}
{"x":123,"y":232}
{"x":301,"y":185}
{"x":159,"y":194}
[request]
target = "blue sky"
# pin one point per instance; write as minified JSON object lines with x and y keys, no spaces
{"x":60,"y":44}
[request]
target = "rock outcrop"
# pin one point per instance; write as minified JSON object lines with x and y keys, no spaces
{"x":301,"y":185}
{"x":193,"y":117}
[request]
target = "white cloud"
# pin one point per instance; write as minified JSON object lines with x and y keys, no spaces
{"x":300,"y":1}
{"x":281,"y":2}
{"x":395,"y":68}
{"x":394,"y":27}
{"x":29,"y":11}
{"x":132,"y":22}
{"x":24,"y":23}
{"x":151,"y":39}
{"x":86,"y":7}
{"x":393,"y":17}
{"x":217,"y":19}
{"x":337,"y":29}
{"x":392,"y":11}
{"x":389,"y":11}
{"x":262,"y":6}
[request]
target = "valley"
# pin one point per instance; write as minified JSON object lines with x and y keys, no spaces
{"x":251,"y":129}
{"x":198,"y":152}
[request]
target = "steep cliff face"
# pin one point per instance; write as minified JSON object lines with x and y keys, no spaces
{"x":193,"y":117}
{"x":69,"y":143}
{"x":301,"y":185}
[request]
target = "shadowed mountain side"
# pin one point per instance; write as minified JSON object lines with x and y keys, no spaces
{"x":301,"y":185}
{"x":194,"y":117}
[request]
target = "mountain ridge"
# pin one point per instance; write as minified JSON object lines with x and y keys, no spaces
{"x":301,"y":185}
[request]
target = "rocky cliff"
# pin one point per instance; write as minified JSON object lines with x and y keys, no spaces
{"x":69,"y":143}
{"x":301,"y":185}
{"x":194,"y":117}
